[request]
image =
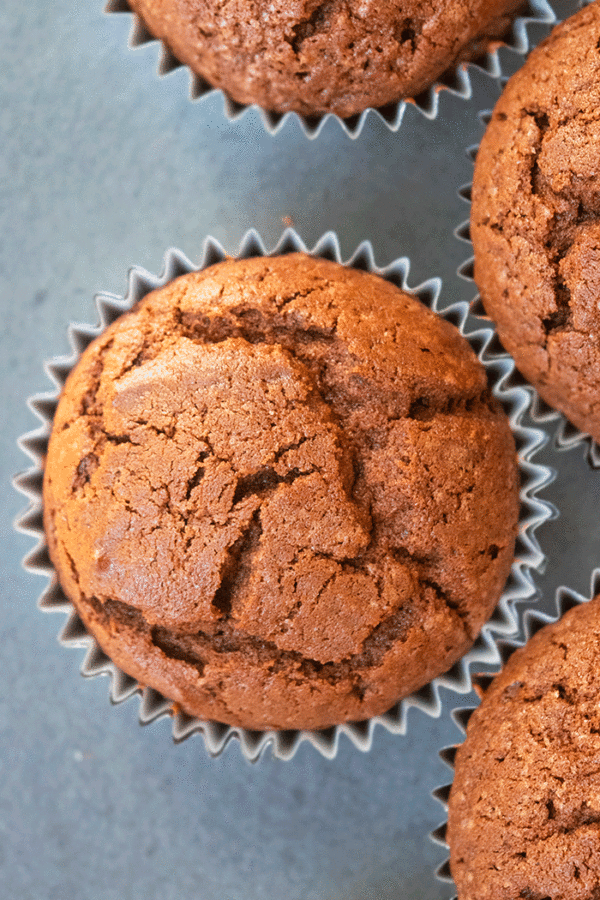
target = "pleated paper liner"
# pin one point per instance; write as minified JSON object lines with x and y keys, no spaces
{"x":533,"y":620}
{"x":566,"y":436}
{"x":520,"y":586}
{"x":457,"y":81}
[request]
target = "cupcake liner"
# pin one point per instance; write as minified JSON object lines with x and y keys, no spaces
{"x":566,"y":435}
{"x":456,"y":81}
{"x":528,"y":556}
{"x":533,"y":620}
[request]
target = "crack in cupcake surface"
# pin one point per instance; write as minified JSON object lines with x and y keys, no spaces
{"x":251,"y":461}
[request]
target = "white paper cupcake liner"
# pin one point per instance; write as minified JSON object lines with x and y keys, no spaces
{"x":566,"y":436}
{"x":564,"y":600}
{"x":528,"y":556}
{"x":457,"y":82}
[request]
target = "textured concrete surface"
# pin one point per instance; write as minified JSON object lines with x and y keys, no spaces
{"x":103,"y":165}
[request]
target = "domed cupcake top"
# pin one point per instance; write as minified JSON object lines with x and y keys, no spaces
{"x":535,"y":220}
{"x":524,"y":810}
{"x":280,"y":492}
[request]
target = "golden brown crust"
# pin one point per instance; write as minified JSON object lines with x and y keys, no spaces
{"x":318,"y":56}
{"x":280,"y":492}
{"x":535,"y":219}
{"x":524,"y":816}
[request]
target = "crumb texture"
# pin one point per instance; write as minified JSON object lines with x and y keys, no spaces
{"x":280,"y":491}
{"x":318,"y":56}
{"x":536,"y":218}
{"x":524,"y":816}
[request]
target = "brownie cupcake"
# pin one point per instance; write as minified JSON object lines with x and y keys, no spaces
{"x":535,"y":215}
{"x":532,"y":476}
{"x":316,"y":58}
{"x":524,"y":808}
{"x":280,"y":492}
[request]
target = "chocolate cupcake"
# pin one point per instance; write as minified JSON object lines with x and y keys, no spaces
{"x":320,"y":58}
{"x":534,"y":219}
{"x":524,"y":807}
{"x":270,"y":494}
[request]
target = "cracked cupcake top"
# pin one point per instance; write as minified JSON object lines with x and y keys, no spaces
{"x":524,"y":816}
{"x":280,"y":492}
{"x":319,"y":56}
{"x":535,"y":220}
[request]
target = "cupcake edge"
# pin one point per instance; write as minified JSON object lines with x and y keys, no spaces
{"x":565,"y":599}
{"x":566,"y":435}
{"x":519,"y":588}
{"x":457,"y":83}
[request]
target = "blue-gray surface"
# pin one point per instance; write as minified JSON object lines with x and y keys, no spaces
{"x":103,"y":166}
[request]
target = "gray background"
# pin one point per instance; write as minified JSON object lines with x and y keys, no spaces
{"x":103,"y":166}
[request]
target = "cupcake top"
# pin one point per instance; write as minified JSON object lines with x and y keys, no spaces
{"x":535,"y":220}
{"x":316,"y":57}
{"x":280,"y":492}
{"x":524,"y":814}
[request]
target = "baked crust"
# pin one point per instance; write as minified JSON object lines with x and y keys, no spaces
{"x":319,"y":56}
{"x":524,"y":813}
{"x":535,"y":220}
{"x":280,"y":492}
